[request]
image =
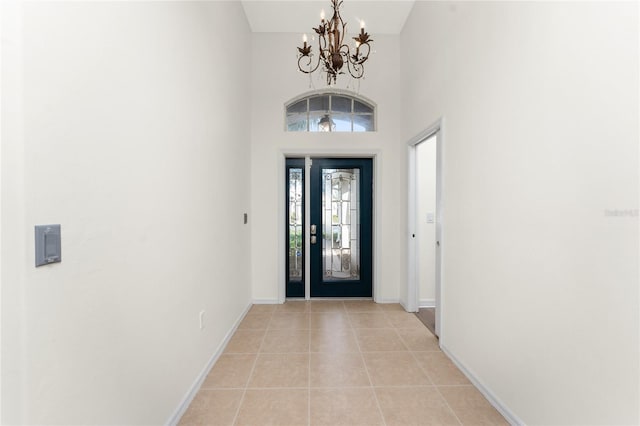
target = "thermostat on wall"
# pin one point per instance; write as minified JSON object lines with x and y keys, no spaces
{"x":48,"y":246}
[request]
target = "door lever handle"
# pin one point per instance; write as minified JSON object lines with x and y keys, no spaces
{"x":313,"y":229}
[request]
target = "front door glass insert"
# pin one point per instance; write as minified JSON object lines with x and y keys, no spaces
{"x":296,"y":214}
{"x":340,"y":224}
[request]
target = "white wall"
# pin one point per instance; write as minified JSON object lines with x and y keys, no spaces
{"x":276,"y":80}
{"x":426,"y":232}
{"x":540,"y":292}
{"x":134,"y":137}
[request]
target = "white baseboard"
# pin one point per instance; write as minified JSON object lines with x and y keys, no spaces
{"x":493,"y":400}
{"x":387,"y":301}
{"x":427,"y":303}
{"x":266,"y":302}
{"x":195,"y":387}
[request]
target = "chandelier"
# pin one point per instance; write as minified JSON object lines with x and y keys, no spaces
{"x":333,"y":52}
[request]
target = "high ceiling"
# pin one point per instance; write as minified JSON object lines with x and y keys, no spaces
{"x":294,"y":16}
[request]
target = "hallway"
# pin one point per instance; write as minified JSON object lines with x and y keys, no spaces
{"x":336,"y":363}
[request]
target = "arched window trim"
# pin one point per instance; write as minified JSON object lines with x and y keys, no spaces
{"x":339,"y":92}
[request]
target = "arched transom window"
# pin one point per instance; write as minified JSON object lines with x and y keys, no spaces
{"x":330,"y":112}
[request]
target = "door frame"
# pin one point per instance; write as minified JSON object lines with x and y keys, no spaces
{"x":413,"y":287}
{"x":283,"y":154}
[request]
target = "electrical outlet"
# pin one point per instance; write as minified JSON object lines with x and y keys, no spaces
{"x":201,"y":320}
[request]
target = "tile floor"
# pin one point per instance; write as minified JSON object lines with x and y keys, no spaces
{"x":336,"y":363}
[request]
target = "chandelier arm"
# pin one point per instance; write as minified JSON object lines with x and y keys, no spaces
{"x":308,"y":64}
{"x":355,"y":69}
{"x":364,"y":57}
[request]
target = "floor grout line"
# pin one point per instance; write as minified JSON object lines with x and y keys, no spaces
{"x":366,"y":369}
{"x":435,"y":386}
{"x":246,"y":385}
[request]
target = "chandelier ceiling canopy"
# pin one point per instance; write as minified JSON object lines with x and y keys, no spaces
{"x":333,"y":52}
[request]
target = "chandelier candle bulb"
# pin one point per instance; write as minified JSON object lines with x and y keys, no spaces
{"x":362,"y":25}
{"x":322,"y":15}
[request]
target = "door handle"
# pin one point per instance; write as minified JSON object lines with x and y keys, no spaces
{"x":313,"y":230}
{"x":313,"y":239}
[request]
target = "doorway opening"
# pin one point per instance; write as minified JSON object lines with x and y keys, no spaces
{"x":424,"y":291}
{"x":426,"y":242}
{"x":337,"y":241}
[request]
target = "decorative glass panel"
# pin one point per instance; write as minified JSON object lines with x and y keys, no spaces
{"x":361,"y":107}
{"x":300,"y":106}
{"x":340,"y":104}
{"x":297,"y":122}
{"x":340,"y":206}
{"x":342,"y":122}
{"x":319,"y":103}
{"x":296,"y":215}
{"x":362,"y":123}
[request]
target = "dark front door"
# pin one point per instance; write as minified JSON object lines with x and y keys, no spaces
{"x":341,"y":214}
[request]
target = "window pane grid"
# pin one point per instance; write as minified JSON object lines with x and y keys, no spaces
{"x":330,"y":112}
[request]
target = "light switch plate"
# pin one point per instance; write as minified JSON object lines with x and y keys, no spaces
{"x":48,"y":244}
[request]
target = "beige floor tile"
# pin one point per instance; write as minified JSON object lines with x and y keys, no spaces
{"x":213,"y":407}
{"x":404,"y":320}
{"x":291,"y":320}
{"x":255,"y":321}
{"x":330,"y":320}
{"x":471,"y":406}
{"x":341,"y":340}
{"x":293,"y":306}
{"x":369,"y":320}
{"x":418,"y":339}
{"x":466,"y":396}
{"x":338,"y":370}
{"x":344,"y":407}
{"x":280,"y":371}
{"x":326,"y":306}
{"x":379,"y":339}
{"x":230,"y":371}
{"x":361,"y":306}
{"x":245,"y":341}
{"x":394,"y":369}
{"x":342,"y":366}
{"x":391,"y":307}
{"x":263,"y":309}
{"x":414,"y":406}
{"x":440,"y":369}
{"x":285,"y":341}
{"x":274,"y":407}
{"x":484,"y":416}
